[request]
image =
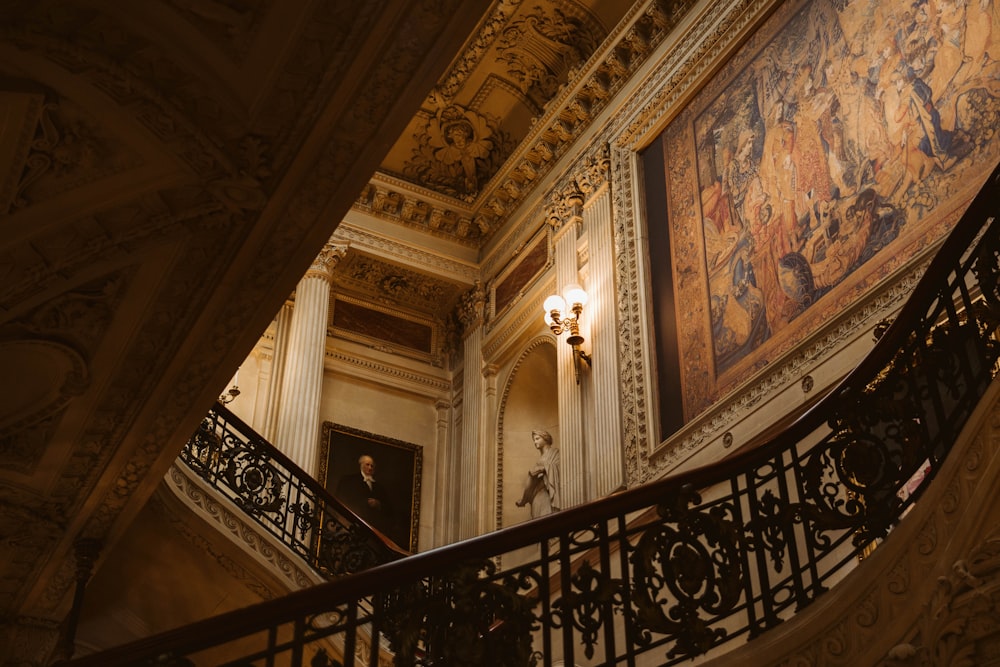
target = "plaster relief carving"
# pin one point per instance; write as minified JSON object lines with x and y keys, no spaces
{"x":963,"y":612}
{"x":69,"y":149}
{"x":540,"y":49}
{"x":456,"y":150}
{"x":392,"y":283}
{"x":50,"y":374}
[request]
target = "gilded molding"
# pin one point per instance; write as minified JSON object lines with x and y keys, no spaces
{"x":364,"y":240}
{"x":400,"y":206}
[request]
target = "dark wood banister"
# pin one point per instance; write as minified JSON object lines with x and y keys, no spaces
{"x":238,"y":623}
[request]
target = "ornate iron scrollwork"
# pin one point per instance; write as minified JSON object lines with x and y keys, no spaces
{"x":464,"y":618}
{"x":687,"y":570}
{"x":288,"y":503}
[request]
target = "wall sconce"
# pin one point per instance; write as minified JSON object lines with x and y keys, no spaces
{"x":233,"y":391}
{"x":560,"y":321}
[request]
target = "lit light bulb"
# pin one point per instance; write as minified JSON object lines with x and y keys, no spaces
{"x":554,"y":302}
{"x":575,"y":295}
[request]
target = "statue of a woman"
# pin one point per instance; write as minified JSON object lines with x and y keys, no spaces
{"x":542,"y":491}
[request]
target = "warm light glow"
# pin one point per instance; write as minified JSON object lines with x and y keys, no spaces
{"x":575,"y":295}
{"x":561,"y":321}
{"x":554,"y":302}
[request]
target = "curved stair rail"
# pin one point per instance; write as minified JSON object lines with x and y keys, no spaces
{"x":288,"y":503}
{"x":673,"y":569}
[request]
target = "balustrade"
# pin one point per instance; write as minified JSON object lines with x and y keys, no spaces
{"x":679,"y":568}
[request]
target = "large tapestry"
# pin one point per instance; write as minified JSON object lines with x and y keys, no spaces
{"x":841,"y":140}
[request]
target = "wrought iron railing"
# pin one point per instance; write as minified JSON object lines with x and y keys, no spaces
{"x":673,"y":569}
{"x":283,"y":499}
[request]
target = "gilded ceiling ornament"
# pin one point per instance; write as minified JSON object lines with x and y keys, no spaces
{"x":540,"y":51}
{"x":458,"y":150}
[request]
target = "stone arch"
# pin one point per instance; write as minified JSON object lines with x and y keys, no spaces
{"x":530,"y":400}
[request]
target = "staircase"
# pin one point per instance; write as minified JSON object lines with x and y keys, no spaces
{"x":689,"y":567}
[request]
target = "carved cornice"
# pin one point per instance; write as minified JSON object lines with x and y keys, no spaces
{"x":398,"y":204}
{"x":566,"y":201}
{"x":362,"y":239}
{"x":393,"y":375}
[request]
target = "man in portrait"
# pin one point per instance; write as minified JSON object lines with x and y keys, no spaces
{"x":365,"y":496}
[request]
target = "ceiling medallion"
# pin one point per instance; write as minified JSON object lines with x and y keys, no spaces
{"x":457,"y":150}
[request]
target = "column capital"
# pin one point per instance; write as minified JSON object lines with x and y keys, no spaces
{"x":326,"y":261}
{"x":596,"y":171}
{"x":565,"y":207}
{"x":471,"y":306}
{"x":566,"y":203}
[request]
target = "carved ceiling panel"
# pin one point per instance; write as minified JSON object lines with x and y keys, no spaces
{"x":468,"y":127}
{"x":391,"y":284}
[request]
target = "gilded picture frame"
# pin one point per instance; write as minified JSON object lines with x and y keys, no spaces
{"x":399,"y":468}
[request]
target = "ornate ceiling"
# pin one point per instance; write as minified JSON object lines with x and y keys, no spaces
{"x":489,"y":130}
{"x":461,"y":165}
{"x":170,"y":169}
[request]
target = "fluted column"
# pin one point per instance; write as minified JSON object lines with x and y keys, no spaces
{"x":606,"y":451}
{"x":471,"y":316}
{"x":487,"y":450}
{"x":268,"y":424}
{"x":572,"y":452}
{"x":302,"y":380}
{"x":443,"y":502}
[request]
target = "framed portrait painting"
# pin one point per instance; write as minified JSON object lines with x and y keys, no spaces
{"x":391,"y":502}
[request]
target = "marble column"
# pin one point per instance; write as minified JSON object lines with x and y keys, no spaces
{"x":268,"y":424}
{"x":443,"y":501}
{"x":298,"y":424}
{"x":471,"y":316}
{"x":606,"y":449}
